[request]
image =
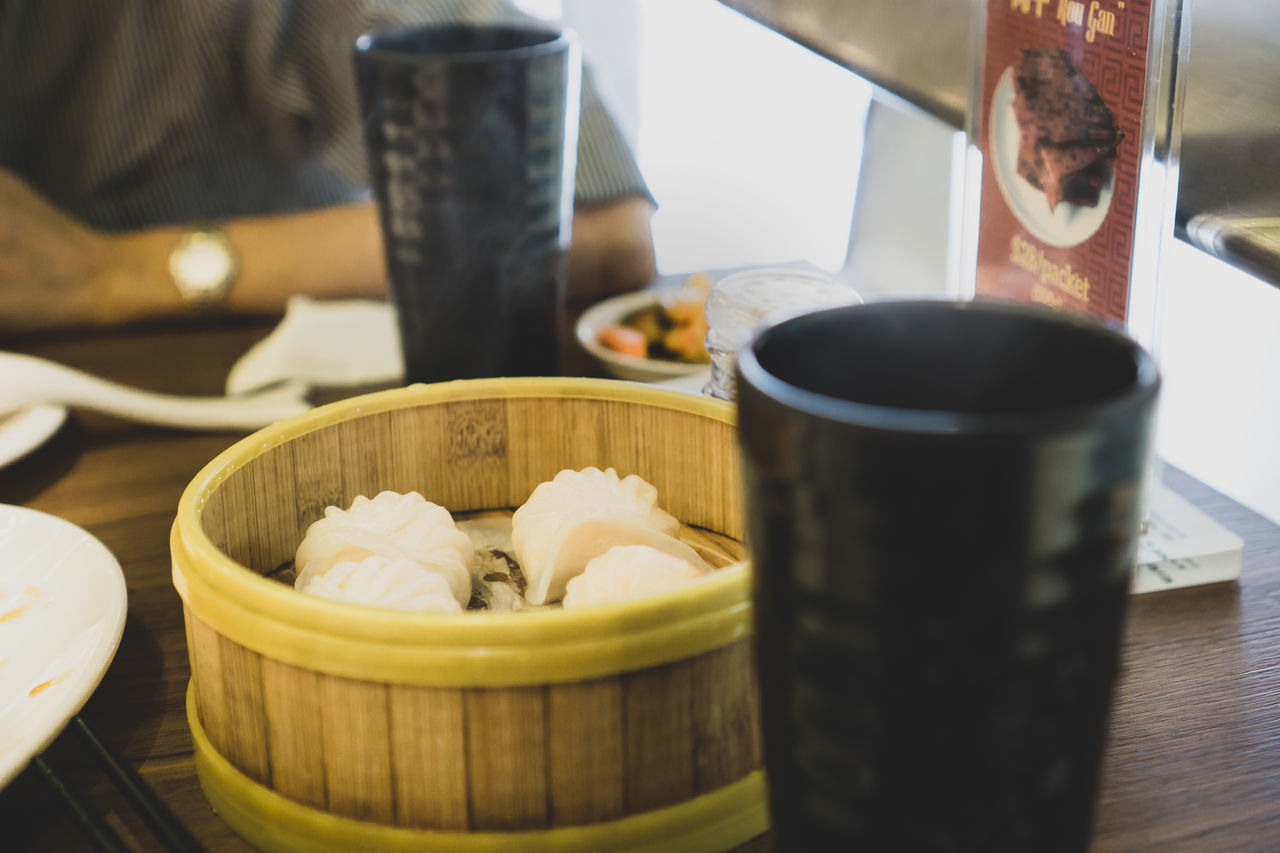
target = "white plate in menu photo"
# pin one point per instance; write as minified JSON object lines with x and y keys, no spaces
{"x":62,"y":611}
{"x":1067,"y":224}
{"x":26,"y":429}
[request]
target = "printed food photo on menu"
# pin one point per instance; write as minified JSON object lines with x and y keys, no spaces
{"x":1055,"y":143}
{"x":1068,"y":137}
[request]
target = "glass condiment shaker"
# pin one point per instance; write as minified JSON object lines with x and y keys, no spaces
{"x":742,"y":302}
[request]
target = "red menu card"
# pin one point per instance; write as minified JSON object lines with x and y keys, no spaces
{"x":1060,"y":127}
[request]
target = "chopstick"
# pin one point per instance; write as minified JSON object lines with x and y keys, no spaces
{"x":170,"y":832}
{"x":155,"y":814}
{"x":102,"y":837}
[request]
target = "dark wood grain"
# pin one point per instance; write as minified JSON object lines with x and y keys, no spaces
{"x":121,"y":482}
{"x":1194,"y":755}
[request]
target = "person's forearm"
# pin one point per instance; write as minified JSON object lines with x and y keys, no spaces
{"x":337,"y":252}
{"x":334,"y":252}
{"x":331,"y":253}
{"x":612,"y":249}
{"x":55,"y":273}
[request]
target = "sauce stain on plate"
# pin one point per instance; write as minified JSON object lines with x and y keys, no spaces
{"x":32,"y":594}
{"x":45,"y":685}
{"x":70,"y":643}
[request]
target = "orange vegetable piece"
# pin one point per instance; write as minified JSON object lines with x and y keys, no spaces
{"x":624,"y":339}
{"x":684,"y":311}
{"x":687,"y":342}
{"x":700,"y":281}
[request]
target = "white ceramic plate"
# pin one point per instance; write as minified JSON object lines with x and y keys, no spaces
{"x":62,"y":610}
{"x":610,"y":312}
{"x":23,"y":431}
{"x":1064,"y":226}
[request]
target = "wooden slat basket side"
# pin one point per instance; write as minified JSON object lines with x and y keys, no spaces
{"x":467,"y":758}
{"x":472,"y":759}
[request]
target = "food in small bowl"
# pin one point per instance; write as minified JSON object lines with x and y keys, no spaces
{"x":650,"y":335}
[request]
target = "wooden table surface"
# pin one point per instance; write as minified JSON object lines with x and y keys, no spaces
{"x":1194,"y":757}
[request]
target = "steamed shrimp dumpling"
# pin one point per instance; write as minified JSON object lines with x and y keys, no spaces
{"x":627,"y":572}
{"x":584,"y":538}
{"x":384,"y":582}
{"x":391,"y":525}
{"x":323,"y":549}
{"x":539,"y":527}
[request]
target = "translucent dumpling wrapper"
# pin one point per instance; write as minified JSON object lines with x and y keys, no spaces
{"x":586,"y":537}
{"x":321,"y":550}
{"x":628,"y":572}
{"x":539,"y":527}
{"x":381,"y":582}
{"x":394,"y":526}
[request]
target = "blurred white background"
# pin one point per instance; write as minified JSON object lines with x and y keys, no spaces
{"x":751,"y":144}
{"x":754,"y":148}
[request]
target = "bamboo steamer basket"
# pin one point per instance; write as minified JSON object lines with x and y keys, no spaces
{"x":324,"y":726}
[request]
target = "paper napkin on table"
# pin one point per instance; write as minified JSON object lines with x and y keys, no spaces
{"x":332,"y":343}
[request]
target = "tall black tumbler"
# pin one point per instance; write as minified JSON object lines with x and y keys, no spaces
{"x":943,"y":514}
{"x":472,"y":139}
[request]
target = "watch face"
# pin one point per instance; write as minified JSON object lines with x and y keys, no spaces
{"x":202,"y":266}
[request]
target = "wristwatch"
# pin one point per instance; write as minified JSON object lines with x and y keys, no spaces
{"x":203,"y":265}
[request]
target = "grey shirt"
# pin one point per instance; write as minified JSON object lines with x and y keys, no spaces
{"x":130,"y":113}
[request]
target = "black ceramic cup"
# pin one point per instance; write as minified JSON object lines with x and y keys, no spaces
{"x":472,"y":140}
{"x":943,"y":515}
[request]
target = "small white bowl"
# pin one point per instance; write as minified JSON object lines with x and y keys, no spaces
{"x":610,"y":312}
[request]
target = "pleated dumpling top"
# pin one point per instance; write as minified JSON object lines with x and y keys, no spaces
{"x":394,"y":527}
{"x":578,"y":515}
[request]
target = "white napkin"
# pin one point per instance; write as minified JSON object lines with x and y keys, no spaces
{"x":331,"y":344}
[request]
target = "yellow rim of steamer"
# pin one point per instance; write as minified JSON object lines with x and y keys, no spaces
{"x":467,"y":649}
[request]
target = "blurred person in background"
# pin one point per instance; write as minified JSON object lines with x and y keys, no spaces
{"x":133,"y":130}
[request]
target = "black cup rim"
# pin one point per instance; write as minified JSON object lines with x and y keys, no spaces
{"x":367,"y":44}
{"x":873,"y":416}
